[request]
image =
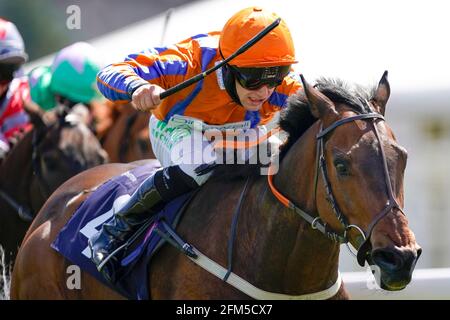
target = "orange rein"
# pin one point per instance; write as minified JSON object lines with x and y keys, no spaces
{"x":225,"y":144}
{"x":285,"y":201}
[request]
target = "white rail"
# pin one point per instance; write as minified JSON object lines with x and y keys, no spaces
{"x":427,"y":284}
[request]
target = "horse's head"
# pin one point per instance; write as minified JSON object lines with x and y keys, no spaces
{"x":360,"y":178}
{"x":64,"y":147}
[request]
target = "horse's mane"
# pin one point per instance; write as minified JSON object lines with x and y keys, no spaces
{"x":296,"y":119}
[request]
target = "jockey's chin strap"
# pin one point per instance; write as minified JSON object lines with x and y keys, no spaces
{"x":315,"y":221}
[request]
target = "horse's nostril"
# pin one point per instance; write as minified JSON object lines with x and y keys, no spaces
{"x":387,"y":260}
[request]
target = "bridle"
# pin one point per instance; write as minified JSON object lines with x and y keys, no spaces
{"x":315,"y":221}
{"x":25,"y":213}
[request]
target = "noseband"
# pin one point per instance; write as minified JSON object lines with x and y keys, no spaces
{"x":315,"y":221}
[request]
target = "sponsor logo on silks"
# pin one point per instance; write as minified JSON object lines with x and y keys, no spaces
{"x":197,"y":124}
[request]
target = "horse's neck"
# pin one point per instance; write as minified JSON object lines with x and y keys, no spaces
{"x":18,"y":162}
{"x":289,"y":256}
{"x":16,"y":171}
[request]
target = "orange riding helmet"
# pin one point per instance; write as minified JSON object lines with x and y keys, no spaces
{"x":274,"y":49}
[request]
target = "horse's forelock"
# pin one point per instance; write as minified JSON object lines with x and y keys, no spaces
{"x":340,"y":91}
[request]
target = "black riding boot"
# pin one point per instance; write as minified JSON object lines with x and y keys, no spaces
{"x":166,"y":184}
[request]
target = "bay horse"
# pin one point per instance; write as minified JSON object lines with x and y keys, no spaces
{"x":58,"y":147}
{"x":345,"y":172}
{"x":127,"y":138}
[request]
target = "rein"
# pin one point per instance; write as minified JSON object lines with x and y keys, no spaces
{"x":241,"y":284}
{"x":226,"y":274}
{"x":315,"y":221}
{"x":23,"y":211}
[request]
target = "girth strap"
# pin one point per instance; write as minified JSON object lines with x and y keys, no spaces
{"x":257,"y":293}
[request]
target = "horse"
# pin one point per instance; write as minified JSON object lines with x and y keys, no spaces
{"x":58,"y":147}
{"x":339,"y":179}
{"x":127,"y":138}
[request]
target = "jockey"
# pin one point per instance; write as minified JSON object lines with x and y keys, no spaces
{"x":244,"y":94}
{"x":14,"y":88}
{"x":71,"y":78}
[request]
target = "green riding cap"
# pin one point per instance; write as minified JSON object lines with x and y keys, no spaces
{"x":74,"y":72}
{"x":72,"y":75}
{"x":39,"y":79}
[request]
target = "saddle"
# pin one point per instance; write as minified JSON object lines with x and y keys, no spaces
{"x":98,"y":208}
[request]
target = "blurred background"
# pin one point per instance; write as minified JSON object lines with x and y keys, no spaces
{"x":354,"y":40}
{"x":43,"y":23}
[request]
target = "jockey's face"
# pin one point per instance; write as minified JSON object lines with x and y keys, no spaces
{"x":6,"y":75}
{"x":252,"y":100}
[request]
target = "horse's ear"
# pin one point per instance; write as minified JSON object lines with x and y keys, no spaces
{"x":382,"y":94}
{"x":319,"y":104}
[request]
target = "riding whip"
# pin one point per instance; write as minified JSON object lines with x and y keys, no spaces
{"x":202,"y":75}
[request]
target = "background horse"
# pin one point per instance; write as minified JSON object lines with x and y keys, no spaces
{"x":274,"y":249}
{"x":47,"y":156}
{"x":127,"y":138}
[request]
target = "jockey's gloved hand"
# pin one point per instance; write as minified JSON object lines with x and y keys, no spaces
{"x":146,"y":98}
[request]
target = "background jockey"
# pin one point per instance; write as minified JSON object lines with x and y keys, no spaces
{"x":245,"y":93}
{"x":71,"y":79}
{"x":14,"y":88}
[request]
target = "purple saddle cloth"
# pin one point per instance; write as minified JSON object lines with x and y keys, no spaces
{"x":97,"y":209}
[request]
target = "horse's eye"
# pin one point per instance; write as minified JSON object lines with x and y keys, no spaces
{"x":341,"y":168}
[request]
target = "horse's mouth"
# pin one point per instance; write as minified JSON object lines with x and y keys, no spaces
{"x":390,"y":283}
{"x":393,"y":274}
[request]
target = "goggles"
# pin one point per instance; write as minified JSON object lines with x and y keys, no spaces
{"x":255,"y":78}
